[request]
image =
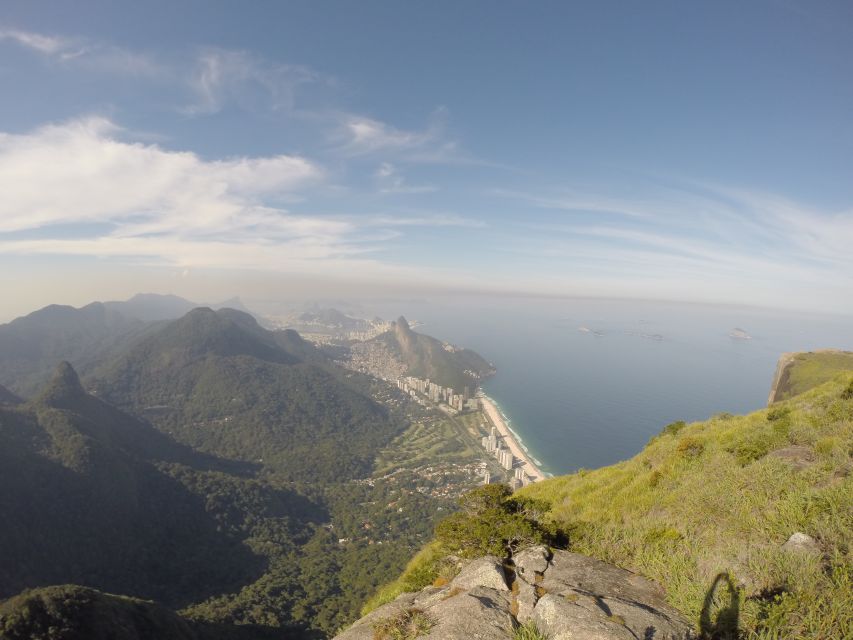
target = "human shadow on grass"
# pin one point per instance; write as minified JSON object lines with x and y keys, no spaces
{"x":725,"y":624}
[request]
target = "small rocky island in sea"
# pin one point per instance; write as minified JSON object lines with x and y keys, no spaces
{"x":739,"y":334}
{"x":585,"y":329}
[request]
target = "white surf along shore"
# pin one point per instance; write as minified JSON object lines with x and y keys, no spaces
{"x":511,"y":441}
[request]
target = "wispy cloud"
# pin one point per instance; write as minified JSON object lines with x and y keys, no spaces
{"x":37,"y":41}
{"x":361,"y":135}
{"x":220,"y":76}
{"x":390,"y":181}
{"x":692,"y":243}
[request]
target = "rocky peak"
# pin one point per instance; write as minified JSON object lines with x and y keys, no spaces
{"x":64,"y":388}
{"x":565,"y":595}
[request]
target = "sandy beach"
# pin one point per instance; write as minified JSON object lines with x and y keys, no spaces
{"x":532,"y":471}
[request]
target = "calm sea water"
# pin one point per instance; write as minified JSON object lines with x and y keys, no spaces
{"x":592,"y":398}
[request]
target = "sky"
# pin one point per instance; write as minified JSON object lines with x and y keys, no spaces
{"x":689,"y":151}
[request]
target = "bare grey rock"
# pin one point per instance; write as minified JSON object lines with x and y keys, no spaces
{"x":597,"y":577}
{"x":801,"y":543}
{"x":487,"y":571}
{"x":561,"y":619}
{"x":796,"y":456}
{"x":479,"y":614}
{"x":525,"y":598}
{"x":363,"y":628}
{"x":567,"y":595}
{"x":531,"y":561}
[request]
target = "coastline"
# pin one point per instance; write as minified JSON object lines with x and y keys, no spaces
{"x":510,"y":439}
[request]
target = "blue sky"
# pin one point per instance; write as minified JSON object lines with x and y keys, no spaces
{"x":673,"y":150}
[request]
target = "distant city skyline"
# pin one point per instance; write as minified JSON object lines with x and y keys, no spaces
{"x":699,"y":153}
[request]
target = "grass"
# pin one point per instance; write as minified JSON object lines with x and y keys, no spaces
{"x":406,"y":625}
{"x":710,"y":498}
{"x":422,"y":571}
{"x":432,"y":440}
{"x":528,"y":631}
{"x":809,"y":370}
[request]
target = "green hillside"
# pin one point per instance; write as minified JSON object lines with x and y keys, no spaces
{"x":721,"y":497}
{"x":218,"y":382}
{"x":799,"y":372}
{"x":705,"y":510}
{"x":31,"y":346}
{"x":86,"y":499}
{"x":70,"y":612}
{"x":238,"y":524}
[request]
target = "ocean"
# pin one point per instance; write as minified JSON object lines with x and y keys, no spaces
{"x":586,"y":383}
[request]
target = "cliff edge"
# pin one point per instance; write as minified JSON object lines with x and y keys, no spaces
{"x":797,"y":372}
{"x":558,"y":595}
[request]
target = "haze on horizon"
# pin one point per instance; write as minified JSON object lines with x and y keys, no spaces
{"x":663,"y":150}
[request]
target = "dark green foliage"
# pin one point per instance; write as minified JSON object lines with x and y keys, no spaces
{"x":85,"y":501}
{"x":240,"y":527}
{"x":76,"y":613}
{"x":222,"y":384}
{"x":673,"y":428}
{"x":493,"y":521}
{"x":750,"y":450}
{"x":778,"y":414}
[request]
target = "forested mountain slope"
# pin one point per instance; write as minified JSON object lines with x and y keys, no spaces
{"x":218,"y":382}
{"x":88,"y":498}
{"x":31,"y":346}
{"x":69,"y":612}
{"x":426,"y":357}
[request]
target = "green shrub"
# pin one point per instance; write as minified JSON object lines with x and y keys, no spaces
{"x":528,"y":631}
{"x":673,"y":428}
{"x":778,"y":413}
{"x":847,"y":394}
{"x":749,"y":451}
{"x":493,"y":521}
{"x":690,"y":447}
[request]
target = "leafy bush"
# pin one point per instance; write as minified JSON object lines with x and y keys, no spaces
{"x":778,"y":413}
{"x":492,"y":521}
{"x":673,"y":428}
{"x":749,"y":450}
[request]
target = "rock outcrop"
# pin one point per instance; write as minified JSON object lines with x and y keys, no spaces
{"x":566,"y":595}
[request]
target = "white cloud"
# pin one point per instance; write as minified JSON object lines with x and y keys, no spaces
{"x":363,"y":135}
{"x":80,"y":189}
{"x":147,"y":201}
{"x":37,"y":41}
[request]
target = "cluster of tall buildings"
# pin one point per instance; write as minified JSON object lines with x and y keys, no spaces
{"x":437,"y":394}
{"x":493,"y":445}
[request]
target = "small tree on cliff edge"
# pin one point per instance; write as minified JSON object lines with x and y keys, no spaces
{"x":493,"y":521}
